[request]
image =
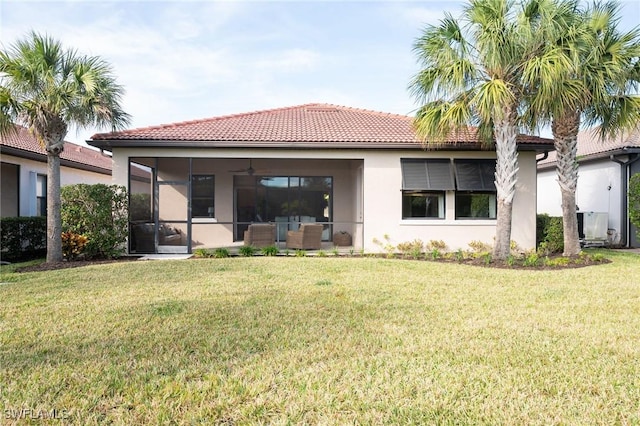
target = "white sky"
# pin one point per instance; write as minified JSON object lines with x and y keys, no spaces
{"x":187,"y":60}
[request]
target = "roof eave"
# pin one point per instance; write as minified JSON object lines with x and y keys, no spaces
{"x":605,"y":155}
{"x":109,"y":144}
{"x":42,"y":158}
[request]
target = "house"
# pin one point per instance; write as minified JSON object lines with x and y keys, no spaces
{"x":358,"y":172}
{"x":604,"y":170}
{"x":23,"y":170}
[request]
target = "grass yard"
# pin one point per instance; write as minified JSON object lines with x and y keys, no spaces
{"x":265,"y":340}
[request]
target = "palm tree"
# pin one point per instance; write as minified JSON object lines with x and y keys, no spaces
{"x":47,"y":88}
{"x":475,"y":78}
{"x":596,"y":84}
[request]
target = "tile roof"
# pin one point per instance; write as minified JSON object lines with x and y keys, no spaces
{"x":591,"y":146}
{"x":23,"y":143}
{"x":309,"y":124}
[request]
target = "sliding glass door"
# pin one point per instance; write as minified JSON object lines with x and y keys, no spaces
{"x":284,"y":200}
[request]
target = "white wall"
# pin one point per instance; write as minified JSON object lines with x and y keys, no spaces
{"x":30,"y":168}
{"x":383,"y":206}
{"x":598,"y":191}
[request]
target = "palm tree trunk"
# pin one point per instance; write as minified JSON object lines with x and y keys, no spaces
{"x":54,"y":221}
{"x":565,"y":134}
{"x":506,"y":178}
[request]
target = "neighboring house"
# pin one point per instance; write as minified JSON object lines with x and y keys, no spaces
{"x":604,"y":170}
{"x":356,"y":171}
{"x":24,"y":172}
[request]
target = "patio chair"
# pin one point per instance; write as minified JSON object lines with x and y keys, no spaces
{"x":309,"y":236}
{"x":260,"y":235}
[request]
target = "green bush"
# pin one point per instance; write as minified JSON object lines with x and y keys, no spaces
{"x":270,"y":251}
{"x":549,"y":234}
{"x":634,"y":201}
{"x":554,"y":235}
{"x":23,"y":238}
{"x":247,"y":251}
{"x":542,"y":221}
{"x":221,"y":252}
{"x":98,"y":212}
{"x":201,"y":253}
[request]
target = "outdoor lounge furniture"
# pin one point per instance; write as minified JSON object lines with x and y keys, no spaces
{"x":260,"y":235}
{"x":309,"y":236}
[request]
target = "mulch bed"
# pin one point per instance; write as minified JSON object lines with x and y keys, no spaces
{"x":480,"y":262}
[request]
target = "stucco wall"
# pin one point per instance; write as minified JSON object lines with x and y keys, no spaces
{"x":68,"y":176}
{"x":383,"y":206}
{"x":379,"y":194}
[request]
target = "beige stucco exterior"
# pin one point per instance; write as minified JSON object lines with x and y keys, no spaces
{"x":367,"y":198}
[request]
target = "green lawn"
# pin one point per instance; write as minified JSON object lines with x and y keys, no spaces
{"x":322,"y":341}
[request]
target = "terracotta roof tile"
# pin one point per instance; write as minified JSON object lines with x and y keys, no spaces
{"x":23,"y":140}
{"x":590,"y":145}
{"x":310,"y":123}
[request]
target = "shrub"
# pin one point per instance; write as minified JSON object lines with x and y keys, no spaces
{"x":98,"y":212}
{"x":221,"y":252}
{"x":201,"y":252}
{"x":459,"y":255}
{"x":73,"y":245}
{"x":634,"y":201}
{"x":531,"y":259}
{"x":437,"y":245}
{"x":301,"y":253}
{"x":270,"y":251}
{"x":479,"y":247}
{"x":542,"y":221}
{"x":557,"y":261}
{"x":435,"y":254}
{"x":247,"y":251}
{"x":23,"y":238}
{"x":554,"y":235}
{"x":414,"y":248}
{"x":389,"y":248}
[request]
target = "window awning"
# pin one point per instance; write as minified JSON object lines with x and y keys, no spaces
{"x":475,"y":175}
{"x":425,"y":175}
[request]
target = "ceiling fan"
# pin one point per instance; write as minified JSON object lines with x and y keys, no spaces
{"x":249,"y":170}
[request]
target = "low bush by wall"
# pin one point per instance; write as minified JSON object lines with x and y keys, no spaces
{"x":550,"y":233}
{"x":23,"y":238}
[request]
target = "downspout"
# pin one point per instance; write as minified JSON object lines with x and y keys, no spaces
{"x":545,"y":155}
{"x":625,"y":167}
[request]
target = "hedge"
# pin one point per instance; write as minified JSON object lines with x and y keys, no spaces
{"x":23,"y":238}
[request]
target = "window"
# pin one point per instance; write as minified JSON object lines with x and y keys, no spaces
{"x":424,"y":183}
{"x":41,"y":195}
{"x":202,"y":196}
{"x":476,"y":191}
{"x":475,"y":205}
{"x":419,"y":204}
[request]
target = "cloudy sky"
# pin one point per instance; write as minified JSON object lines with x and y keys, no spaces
{"x":186,"y":60}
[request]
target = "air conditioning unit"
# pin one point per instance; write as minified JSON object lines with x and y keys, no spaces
{"x":592,"y":228}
